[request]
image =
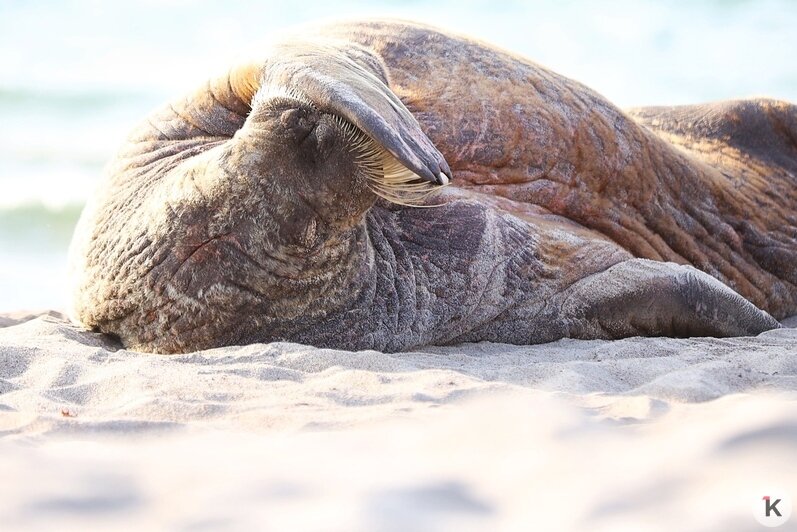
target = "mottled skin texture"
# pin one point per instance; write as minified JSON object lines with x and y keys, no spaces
{"x":238,"y":214}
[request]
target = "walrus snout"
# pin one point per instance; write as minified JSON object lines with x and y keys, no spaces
{"x":352,"y":84}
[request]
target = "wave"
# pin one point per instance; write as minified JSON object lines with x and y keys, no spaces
{"x":39,"y":225}
{"x":72,"y":99}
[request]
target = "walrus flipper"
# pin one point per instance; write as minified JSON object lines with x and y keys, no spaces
{"x":351,"y":81}
{"x":650,"y":298}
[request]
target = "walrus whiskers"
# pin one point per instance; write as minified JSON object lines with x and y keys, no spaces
{"x":387,"y":177}
{"x":271,"y":94}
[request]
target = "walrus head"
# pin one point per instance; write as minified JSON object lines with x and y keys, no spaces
{"x":329,"y":150}
{"x":348,"y":85}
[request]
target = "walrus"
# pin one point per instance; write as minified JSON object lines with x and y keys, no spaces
{"x":387,"y":185}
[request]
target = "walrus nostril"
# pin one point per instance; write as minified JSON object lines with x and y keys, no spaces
{"x":297,"y":124}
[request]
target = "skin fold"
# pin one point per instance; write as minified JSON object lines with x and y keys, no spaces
{"x":266,"y":206}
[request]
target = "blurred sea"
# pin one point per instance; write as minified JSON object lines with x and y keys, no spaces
{"x":75,"y":75}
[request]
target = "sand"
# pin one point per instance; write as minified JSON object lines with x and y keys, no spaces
{"x":635,"y":434}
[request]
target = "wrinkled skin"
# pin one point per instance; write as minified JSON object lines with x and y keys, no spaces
{"x":239,"y":214}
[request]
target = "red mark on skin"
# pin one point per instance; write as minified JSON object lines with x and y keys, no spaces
{"x":207,"y":248}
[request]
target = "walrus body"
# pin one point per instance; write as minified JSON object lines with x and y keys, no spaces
{"x":251,"y":211}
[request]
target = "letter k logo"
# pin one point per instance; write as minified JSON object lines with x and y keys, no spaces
{"x":771,"y":506}
{"x":776,"y":509}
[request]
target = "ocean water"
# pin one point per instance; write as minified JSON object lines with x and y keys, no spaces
{"x":75,"y":75}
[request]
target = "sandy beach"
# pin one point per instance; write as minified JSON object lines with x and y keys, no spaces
{"x":642,"y":433}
